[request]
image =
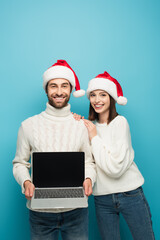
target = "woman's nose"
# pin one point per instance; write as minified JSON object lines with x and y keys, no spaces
{"x":97,"y":99}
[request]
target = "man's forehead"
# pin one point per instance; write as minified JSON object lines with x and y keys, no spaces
{"x":58,"y":81}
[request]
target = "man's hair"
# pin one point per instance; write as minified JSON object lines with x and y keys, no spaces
{"x":112,"y":111}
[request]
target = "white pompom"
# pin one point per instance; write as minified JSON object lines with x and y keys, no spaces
{"x":79,"y":93}
{"x":122,"y":100}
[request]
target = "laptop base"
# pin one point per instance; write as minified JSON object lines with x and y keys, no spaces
{"x":59,"y":203}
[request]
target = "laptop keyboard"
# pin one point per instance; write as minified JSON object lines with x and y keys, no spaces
{"x":59,"y":193}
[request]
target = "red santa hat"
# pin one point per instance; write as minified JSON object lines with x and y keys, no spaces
{"x":61,"y":69}
{"x":109,"y":84}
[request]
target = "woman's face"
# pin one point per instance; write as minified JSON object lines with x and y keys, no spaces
{"x":100,"y":101}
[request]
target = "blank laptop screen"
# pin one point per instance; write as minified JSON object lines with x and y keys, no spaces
{"x":58,"y":169}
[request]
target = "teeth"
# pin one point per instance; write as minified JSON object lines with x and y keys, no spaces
{"x":98,"y":105}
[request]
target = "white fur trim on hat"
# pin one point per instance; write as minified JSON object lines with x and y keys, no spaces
{"x":58,"y":72}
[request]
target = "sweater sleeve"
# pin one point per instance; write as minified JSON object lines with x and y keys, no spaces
{"x":90,"y":168}
{"x":116,"y":157}
{"x":21,"y":163}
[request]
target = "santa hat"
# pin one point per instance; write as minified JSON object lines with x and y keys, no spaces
{"x":109,"y":84}
{"x":61,"y":69}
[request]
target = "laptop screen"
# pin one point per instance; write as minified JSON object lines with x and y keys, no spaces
{"x":57,"y":169}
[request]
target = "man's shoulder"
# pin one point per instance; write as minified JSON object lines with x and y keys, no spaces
{"x":79,"y":123}
{"x":30,"y":120}
{"x":80,"y":126}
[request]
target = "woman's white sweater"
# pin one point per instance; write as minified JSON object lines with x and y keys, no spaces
{"x":54,"y":130}
{"x":114,"y":157}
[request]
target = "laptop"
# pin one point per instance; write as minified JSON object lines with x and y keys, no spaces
{"x":58,"y":178}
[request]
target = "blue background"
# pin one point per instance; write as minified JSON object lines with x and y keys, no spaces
{"x":119,"y":36}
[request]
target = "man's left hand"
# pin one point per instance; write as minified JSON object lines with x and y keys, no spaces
{"x":87,"y":184}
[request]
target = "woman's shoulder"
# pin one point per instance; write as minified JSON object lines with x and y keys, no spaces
{"x":120,"y":128}
{"x":120,"y":121}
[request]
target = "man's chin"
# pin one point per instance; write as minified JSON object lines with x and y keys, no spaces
{"x":58,"y":105}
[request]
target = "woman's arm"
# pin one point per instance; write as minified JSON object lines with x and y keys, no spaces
{"x":117,"y":156}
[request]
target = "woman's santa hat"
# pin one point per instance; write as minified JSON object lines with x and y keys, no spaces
{"x":109,"y":84}
{"x":61,"y":69}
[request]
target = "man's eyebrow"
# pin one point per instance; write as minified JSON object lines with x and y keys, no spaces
{"x":66,"y":83}
{"x":52,"y":84}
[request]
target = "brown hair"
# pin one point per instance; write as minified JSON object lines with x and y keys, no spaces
{"x":112,"y":112}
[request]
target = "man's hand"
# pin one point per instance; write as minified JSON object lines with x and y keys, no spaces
{"x":29,"y":189}
{"x":87,"y":184}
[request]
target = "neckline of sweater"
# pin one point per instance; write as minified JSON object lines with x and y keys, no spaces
{"x":105,"y":124}
{"x":58,"y":113}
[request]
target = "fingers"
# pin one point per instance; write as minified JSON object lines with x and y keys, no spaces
{"x":76,"y":116}
{"x":89,"y":124}
{"x":87,"y":187}
{"x":29,"y":191}
{"x":88,"y":191}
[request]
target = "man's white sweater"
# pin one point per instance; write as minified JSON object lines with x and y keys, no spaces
{"x":54,"y":130}
{"x":114,"y":157}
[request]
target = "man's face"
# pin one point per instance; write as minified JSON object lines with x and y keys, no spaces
{"x":58,"y":92}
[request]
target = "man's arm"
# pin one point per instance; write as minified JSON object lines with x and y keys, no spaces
{"x":21,"y":163}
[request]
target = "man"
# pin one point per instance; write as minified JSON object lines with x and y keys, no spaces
{"x":55,"y":130}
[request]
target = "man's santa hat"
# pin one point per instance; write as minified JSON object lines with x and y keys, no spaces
{"x":61,"y":69}
{"x":109,"y":84}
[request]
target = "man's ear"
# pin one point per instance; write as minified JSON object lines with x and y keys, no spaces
{"x":70,"y":87}
{"x":46,"y":89}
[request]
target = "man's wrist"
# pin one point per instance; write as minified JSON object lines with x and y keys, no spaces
{"x":26,"y":183}
{"x":88,"y":179}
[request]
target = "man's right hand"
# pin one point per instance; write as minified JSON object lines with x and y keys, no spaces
{"x":29,"y":189}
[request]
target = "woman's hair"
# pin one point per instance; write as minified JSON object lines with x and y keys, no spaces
{"x":112,"y":111}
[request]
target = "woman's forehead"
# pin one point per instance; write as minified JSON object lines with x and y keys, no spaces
{"x":98,"y":91}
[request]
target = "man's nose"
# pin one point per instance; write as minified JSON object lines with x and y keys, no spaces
{"x":59,"y":91}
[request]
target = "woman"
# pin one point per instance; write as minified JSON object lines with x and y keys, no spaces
{"x":118,"y":187}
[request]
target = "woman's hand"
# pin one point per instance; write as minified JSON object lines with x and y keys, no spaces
{"x":77,"y":117}
{"x":92,"y":131}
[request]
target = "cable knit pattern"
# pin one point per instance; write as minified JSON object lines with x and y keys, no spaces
{"x":114,"y":157}
{"x":54,"y":130}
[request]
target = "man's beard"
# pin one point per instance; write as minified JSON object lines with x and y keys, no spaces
{"x":60,"y":104}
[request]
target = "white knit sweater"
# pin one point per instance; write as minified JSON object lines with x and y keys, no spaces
{"x":53,"y":130}
{"x":114,"y":157}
